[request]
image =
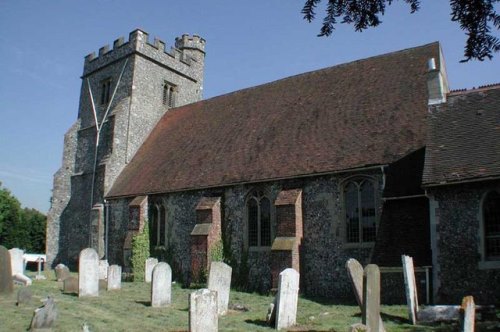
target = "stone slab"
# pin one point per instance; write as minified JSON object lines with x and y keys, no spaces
{"x":17,"y":260}
{"x":287,"y":299}
{"x":410,"y":288}
{"x":219,"y":280}
{"x":21,"y":279}
{"x":88,"y":273}
{"x":468,"y":314}
{"x":114,"y":277}
{"x":438,"y":313}
{"x":6,"y":283}
{"x":45,"y":316}
{"x":103,"y":269}
{"x":62,"y":272}
{"x":203,"y":316}
{"x":371,"y":297}
{"x":161,"y":285}
{"x":70,"y":285}
{"x":148,"y":268}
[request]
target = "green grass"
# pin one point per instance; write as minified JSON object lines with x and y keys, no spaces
{"x":129,"y":309}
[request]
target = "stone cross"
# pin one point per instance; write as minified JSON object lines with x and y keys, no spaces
{"x":468,"y":313}
{"x":148,"y":268}
{"x":371,"y":297}
{"x":203,"y":315}
{"x":88,"y":273}
{"x":6,"y":283}
{"x":355,"y":272}
{"x":161,"y":286}
{"x":103,"y":269}
{"x":62,"y":272}
{"x":44,"y":317}
{"x":411,"y":288}
{"x":17,"y":260}
{"x":287,"y":298}
{"x":39,"y":275}
{"x":114,"y":277}
{"x":219,"y":280}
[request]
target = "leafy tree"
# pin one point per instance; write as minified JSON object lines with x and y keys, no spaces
{"x":35,"y":223}
{"x":9,"y":217}
{"x":476,"y":18}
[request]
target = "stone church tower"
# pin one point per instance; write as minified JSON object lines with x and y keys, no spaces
{"x":125,"y":90}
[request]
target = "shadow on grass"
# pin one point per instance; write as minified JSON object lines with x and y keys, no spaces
{"x":69,"y":294}
{"x":144,"y":303}
{"x":258,"y":322}
{"x":389,"y":318}
{"x":329,"y":301}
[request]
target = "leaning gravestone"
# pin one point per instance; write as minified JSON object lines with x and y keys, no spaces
{"x":355,"y":272}
{"x":203,"y":315}
{"x":6,"y":283}
{"x":70,"y":285}
{"x":468,"y":313}
{"x":114,"y":277}
{"x":371,"y":297}
{"x":161,"y":286}
{"x":287,"y":298}
{"x":411,"y":288}
{"x":17,"y":260}
{"x":44,"y":317}
{"x":148,"y":268}
{"x":88,"y":273}
{"x":62,"y":272}
{"x":103,"y":269}
{"x":219,"y":280}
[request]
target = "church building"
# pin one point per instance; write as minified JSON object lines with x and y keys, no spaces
{"x":370,"y":160}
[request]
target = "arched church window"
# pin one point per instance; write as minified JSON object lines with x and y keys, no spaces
{"x":360,"y":211}
{"x":491,"y":226}
{"x":158,"y":225}
{"x":259,"y":220}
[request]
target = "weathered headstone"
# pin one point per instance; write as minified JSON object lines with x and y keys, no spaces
{"x":148,"y":268}
{"x":468,"y":314}
{"x":24,"y":296}
{"x":219,"y":280}
{"x":21,"y":279}
{"x":17,"y":260}
{"x":62,"y":272}
{"x":161,"y":286}
{"x":355,"y":272}
{"x":103,"y":285}
{"x":88,"y":273}
{"x":44,"y":317}
{"x":371,"y":297}
{"x":114,"y":277}
{"x":6,"y":283}
{"x":203,"y":315}
{"x":103,"y":269}
{"x":287,"y":298}
{"x":70,"y":285}
{"x":411,"y":288}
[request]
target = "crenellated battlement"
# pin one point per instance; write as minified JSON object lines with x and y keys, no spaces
{"x":180,"y":56}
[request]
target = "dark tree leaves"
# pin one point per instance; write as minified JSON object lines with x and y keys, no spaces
{"x":476,"y":17}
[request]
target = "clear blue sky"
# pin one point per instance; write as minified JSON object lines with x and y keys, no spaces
{"x":42,"y":45}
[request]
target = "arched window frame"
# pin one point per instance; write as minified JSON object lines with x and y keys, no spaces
{"x":488,"y":261}
{"x":358,"y":181}
{"x":158,"y":224}
{"x":258,"y":196}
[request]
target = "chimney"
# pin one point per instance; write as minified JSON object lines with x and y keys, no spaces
{"x":437,"y":85}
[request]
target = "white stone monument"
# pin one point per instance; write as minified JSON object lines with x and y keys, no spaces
{"x":468,"y":310}
{"x":371,"y":297}
{"x":161,"y":286}
{"x":103,"y":269}
{"x":114,"y":277}
{"x":203,"y":315}
{"x":287,"y":298}
{"x":219,"y":280}
{"x":17,"y":261}
{"x":148,"y":268}
{"x":411,"y":288}
{"x":88,"y":273}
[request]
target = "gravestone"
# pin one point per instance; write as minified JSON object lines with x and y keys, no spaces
{"x":203,"y":316}
{"x":161,"y":286}
{"x":21,"y":279}
{"x":287,"y":298}
{"x":355,"y":272}
{"x":371,"y":297}
{"x":44,"y":317}
{"x":24,"y":296}
{"x":6,"y":283}
{"x":62,"y":272}
{"x":271,"y":313}
{"x":39,"y":275}
{"x":468,"y":314}
{"x":88,"y":273}
{"x":219,"y":280}
{"x":70,"y":285}
{"x":103,"y":269}
{"x":114,"y":277}
{"x":17,"y":260}
{"x":411,"y":288}
{"x":148,"y":268}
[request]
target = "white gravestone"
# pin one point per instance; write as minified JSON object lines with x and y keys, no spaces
{"x":17,"y":260}
{"x":203,"y":315}
{"x":468,"y":310}
{"x":371,"y":297}
{"x":21,"y":279}
{"x":114,"y":277}
{"x":411,"y":288}
{"x":148,"y":268}
{"x":161,"y":286}
{"x":219,"y":280}
{"x":287,"y":298}
{"x":88,"y":273}
{"x":103,"y":269}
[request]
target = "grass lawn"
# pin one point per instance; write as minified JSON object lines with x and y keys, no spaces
{"x":129,"y":309}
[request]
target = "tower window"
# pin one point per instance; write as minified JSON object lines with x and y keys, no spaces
{"x":105,"y":91}
{"x":169,"y":92}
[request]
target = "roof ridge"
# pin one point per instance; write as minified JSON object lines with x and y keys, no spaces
{"x":474,"y":89}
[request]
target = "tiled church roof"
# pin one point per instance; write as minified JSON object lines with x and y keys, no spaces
{"x":367,"y":112}
{"x":464,"y":138}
